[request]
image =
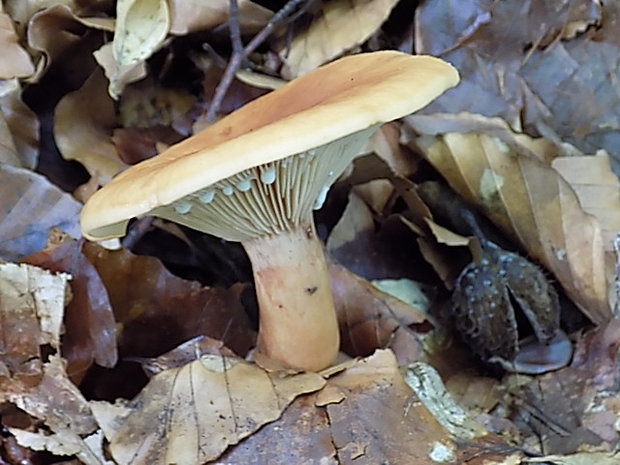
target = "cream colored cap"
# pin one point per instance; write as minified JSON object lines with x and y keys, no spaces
{"x":342,"y":98}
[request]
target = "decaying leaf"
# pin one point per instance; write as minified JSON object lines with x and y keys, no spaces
{"x":575,"y":408}
{"x":340,"y":26}
{"x":547,"y":69}
{"x":370,"y":319}
{"x":195,"y":15}
{"x":19,"y":128}
{"x":193,"y":413}
{"x":147,"y":301}
{"x":29,"y":207}
{"x":31,"y":315}
{"x":83,"y":122}
{"x":90,"y":332}
{"x":15,"y":60}
{"x":141,"y":27}
{"x":532,"y":203}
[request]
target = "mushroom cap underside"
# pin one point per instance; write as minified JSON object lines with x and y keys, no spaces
{"x":338,"y":99}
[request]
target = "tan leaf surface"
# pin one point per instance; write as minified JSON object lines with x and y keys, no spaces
{"x":31,"y":315}
{"x":141,"y":27}
{"x":90,"y":332}
{"x":83,"y":122}
{"x":19,"y":128}
{"x":29,"y":207}
{"x":370,"y":318}
{"x":535,"y":205}
{"x":15,"y":60}
{"x":191,"y":414}
{"x":340,"y":25}
{"x":196,"y":15}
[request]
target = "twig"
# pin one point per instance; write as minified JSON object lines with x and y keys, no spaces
{"x":240,"y":53}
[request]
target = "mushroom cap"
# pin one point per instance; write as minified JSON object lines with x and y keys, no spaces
{"x":336,"y":100}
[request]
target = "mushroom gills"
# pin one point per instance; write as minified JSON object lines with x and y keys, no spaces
{"x":269,"y":198}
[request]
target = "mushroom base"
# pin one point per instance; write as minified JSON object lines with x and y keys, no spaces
{"x":297,"y":319}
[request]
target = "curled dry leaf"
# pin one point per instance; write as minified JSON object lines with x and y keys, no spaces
{"x":31,"y":312}
{"x":339,"y":26}
{"x":83,"y":122}
{"x":189,"y":16}
{"x":19,"y":128}
{"x":532,"y":203}
{"x":147,"y":299}
{"x":370,"y":319}
{"x":141,"y":27}
{"x":90,"y":332}
{"x":192,"y":414}
{"x":119,"y":76}
{"x":29,"y":207}
{"x":15,"y":60}
{"x":517,"y":61}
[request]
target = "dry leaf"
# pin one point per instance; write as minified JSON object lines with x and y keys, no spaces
{"x":90,"y":332}
{"x":340,"y":26}
{"x":83,"y":122}
{"x":517,"y":61}
{"x":29,"y":207}
{"x":141,"y":27}
{"x":301,"y":435}
{"x":31,"y":312}
{"x":191,"y":414}
{"x":534,"y":205}
{"x":370,"y":319}
{"x":15,"y":60}
{"x":146,"y":299}
{"x":19,"y":128}
{"x":119,"y":76}
{"x":189,"y":16}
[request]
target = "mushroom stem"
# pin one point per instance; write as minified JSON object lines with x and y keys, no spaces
{"x":298,"y":324}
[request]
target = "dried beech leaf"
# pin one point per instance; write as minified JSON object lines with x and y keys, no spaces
{"x":197,"y":15}
{"x":19,"y":128}
{"x":83,"y":122}
{"x":141,"y":27}
{"x":521,"y":62}
{"x":192,"y":414}
{"x":31,"y":313}
{"x":340,"y":25}
{"x":597,"y":187}
{"x":532,"y":203}
{"x":119,"y":76}
{"x":146,"y":299}
{"x":90,"y":332}
{"x":380,"y":420}
{"x":301,"y":435}
{"x":15,"y":60}
{"x":369,"y":318}
{"x":29,"y":207}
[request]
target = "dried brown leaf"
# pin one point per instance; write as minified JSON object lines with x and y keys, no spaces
{"x":532,"y":203}
{"x":147,"y":301}
{"x":83,"y":122}
{"x":90,"y":332}
{"x":141,"y":27}
{"x":19,"y":128}
{"x":340,"y":26}
{"x":370,"y":318}
{"x":523,"y":63}
{"x":301,"y":435}
{"x":189,"y":16}
{"x":29,"y":207}
{"x":15,"y":60}
{"x":193,"y":413}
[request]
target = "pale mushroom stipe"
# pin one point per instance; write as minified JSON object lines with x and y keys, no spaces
{"x":256,"y":175}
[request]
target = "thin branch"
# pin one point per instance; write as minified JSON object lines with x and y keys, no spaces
{"x":240,"y":53}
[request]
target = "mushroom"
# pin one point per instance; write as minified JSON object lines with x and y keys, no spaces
{"x":256,"y":175}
